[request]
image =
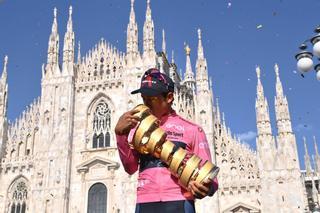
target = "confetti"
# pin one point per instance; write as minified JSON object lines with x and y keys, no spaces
{"x":259,"y":26}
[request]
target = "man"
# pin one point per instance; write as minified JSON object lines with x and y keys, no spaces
{"x":158,"y":190}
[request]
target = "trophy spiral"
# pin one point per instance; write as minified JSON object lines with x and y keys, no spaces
{"x":150,"y":139}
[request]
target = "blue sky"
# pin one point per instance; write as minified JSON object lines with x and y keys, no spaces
{"x":237,"y":36}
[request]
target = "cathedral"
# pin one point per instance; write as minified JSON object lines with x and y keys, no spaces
{"x":60,"y":155}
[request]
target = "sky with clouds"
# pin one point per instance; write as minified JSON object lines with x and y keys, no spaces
{"x":237,"y":36}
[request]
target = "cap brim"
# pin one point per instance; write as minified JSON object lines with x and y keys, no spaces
{"x":147,"y":92}
{"x":135,"y":91}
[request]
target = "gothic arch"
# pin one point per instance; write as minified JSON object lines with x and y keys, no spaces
{"x":18,"y":195}
{"x":95,"y":138}
{"x":97,"y":98}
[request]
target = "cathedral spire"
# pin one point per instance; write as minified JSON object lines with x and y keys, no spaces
{"x":79,"y":54}
{"x":68,"y":48}
{"x":3,"y":108}
{"x":315,"y":192}
{"x":132,"y":37}
{"x":53,"y":44}
{"x":223,"y":121}
{"x":69,"y":25}
{"x":262,"y":108}
{"x":200,"y":48}
{"x":315,"y":146}
{"x":317,"y":157}
{"x":218,"y":111}
{"x":266,"y":146}
{"x":163,"y":42}
{"x":172,"y":56}
{"x":148,"y":34}
{"x":54,"y":29}
{"x":201,"y":68}
{"x":148,"y":12}
{"x":307,"y":159}
{"x":4,"y":72}
{"x":132,"y":14}
{"x":279,"y":88}
{"x":188,"y":74}
{"x":260,"y":93}
{"x":281,"y":107}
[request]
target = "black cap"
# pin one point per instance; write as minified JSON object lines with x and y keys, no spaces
{"x":154,"y":83}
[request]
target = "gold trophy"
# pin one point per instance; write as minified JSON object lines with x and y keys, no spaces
{"x":149,"y":138}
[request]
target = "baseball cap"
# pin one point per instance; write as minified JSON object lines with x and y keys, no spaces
{"x":154,"y":83}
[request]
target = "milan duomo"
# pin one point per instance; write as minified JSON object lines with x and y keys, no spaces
{"x":61,"y":156}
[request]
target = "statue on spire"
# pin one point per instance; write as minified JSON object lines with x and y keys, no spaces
{"x":4,"y":73}
{"x":70,"y":11}
{"x":172,"y":56}
{"x":163,"y":42}
{"x":276,"y":69}
{"x":199,"y":34}
{"x":55,"y":12}
{"x":187,"y":49}
{"x":54,"y":25}
{"x":258,"y":71}
{"x":5,"y":61}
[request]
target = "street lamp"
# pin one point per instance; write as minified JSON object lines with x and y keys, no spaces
{"x":304,"y":57}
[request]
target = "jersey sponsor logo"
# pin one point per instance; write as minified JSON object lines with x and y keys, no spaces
{"x":203,"y":145}
{"x":175,"y":127}
{"x":174,"y":134}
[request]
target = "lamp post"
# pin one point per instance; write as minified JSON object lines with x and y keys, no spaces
{"x":304,"y":57}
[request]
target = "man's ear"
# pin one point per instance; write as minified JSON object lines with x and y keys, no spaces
{"x":170,"y":98}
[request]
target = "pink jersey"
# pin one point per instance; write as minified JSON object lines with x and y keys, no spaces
{"x":155,"y":181}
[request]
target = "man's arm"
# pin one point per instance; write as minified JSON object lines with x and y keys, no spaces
{"x":128,"y":156}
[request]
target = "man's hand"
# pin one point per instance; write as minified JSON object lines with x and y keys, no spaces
{"x":126,"y":122}
{"x":199,"y":190}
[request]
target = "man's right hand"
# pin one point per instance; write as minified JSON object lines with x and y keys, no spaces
{"x":126,"y":122}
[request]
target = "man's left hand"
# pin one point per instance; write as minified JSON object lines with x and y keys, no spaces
{"x":199,"y":190}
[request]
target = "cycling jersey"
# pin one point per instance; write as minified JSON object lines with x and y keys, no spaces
{"x":155,"y":181}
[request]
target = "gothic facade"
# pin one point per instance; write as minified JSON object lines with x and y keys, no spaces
{"x":60,"y":155}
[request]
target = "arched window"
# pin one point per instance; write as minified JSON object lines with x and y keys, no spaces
{"x":28,"y":145}
{"x":101,"y":126}
{"x":203,"y":118}
{"x":18,"y":197}
{"x":20,"y":149}
{"x":97,"y":198}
